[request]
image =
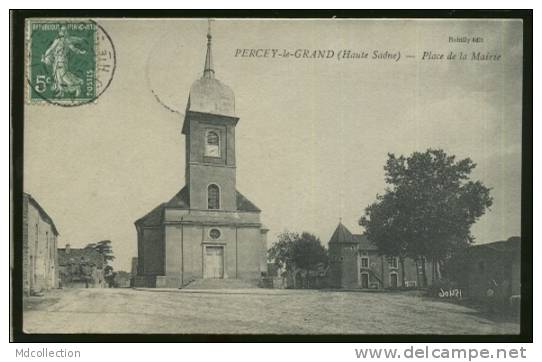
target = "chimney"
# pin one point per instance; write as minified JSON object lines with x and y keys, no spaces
{"x":67,"y":248}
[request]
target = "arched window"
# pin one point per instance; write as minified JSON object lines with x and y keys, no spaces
{"x":212,"y":144}
{"x":213,"y":197}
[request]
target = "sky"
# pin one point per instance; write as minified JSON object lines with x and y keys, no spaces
{"x":313,"y":134}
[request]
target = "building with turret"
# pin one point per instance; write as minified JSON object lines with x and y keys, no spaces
{"x":208,"y":229}
{"x":356,"y":263}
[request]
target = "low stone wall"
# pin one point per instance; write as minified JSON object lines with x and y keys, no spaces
{"x":145,"y":281}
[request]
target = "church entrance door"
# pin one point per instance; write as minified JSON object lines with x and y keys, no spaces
{"x":213,"y":262}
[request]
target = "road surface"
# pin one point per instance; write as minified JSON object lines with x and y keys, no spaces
{"x":251,"y":311}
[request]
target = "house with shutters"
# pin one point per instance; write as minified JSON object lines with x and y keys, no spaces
{"x":208,"y":229}
{"x":355,"y":263}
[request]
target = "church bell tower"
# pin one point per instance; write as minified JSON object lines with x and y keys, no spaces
{"x":209,"y":128}
{"x":208,"y":229}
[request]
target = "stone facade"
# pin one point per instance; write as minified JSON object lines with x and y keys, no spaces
{"x":356,"y":263}
{"x":40,"y":265}
{"x":208,"y":229}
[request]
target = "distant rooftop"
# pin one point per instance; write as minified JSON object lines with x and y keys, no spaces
{"x":342,"y":235}
{"x":67,"y":256}
{"x":42,"y":212}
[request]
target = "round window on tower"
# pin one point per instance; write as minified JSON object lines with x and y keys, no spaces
{"x":214,"y":234}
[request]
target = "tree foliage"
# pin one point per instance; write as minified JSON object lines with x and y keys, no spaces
{"x":428,"y":207}
{"x":103,"y":247}
{"x":293,"y":251}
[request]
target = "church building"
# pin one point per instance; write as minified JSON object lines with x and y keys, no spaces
{"x":208,"y":229}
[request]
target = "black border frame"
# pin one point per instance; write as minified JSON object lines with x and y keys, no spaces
{"x":17,"y":71}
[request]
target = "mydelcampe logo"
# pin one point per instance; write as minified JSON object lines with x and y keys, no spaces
{"x":62,"y":61}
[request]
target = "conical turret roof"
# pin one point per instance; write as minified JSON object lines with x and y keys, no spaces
{"x":342,"y":235}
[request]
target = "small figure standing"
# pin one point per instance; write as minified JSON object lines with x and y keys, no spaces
{"x":491,"y":298}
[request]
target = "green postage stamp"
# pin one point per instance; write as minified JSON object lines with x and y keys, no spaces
{"x":69,"y":62}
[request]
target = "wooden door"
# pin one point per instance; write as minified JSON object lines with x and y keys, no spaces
{"x":214,"y":262}
{"x":393,"y":280}
{"x":365,"y":281}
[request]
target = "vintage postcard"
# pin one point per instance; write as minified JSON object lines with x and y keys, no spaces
{"x":271,"y":176}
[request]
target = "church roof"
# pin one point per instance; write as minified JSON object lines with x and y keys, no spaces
{"x":244,"y":204}
{"x":342,"y":235}
{"x":154,"y":217}
{"x":209,"y":95}
{"x":181,"y":201}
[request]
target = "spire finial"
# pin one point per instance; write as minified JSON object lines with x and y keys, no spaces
{"x":208,"y":71}
{"x":340,"y":220}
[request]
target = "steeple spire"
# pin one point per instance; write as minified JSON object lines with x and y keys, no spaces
{"x":208,"y":71}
